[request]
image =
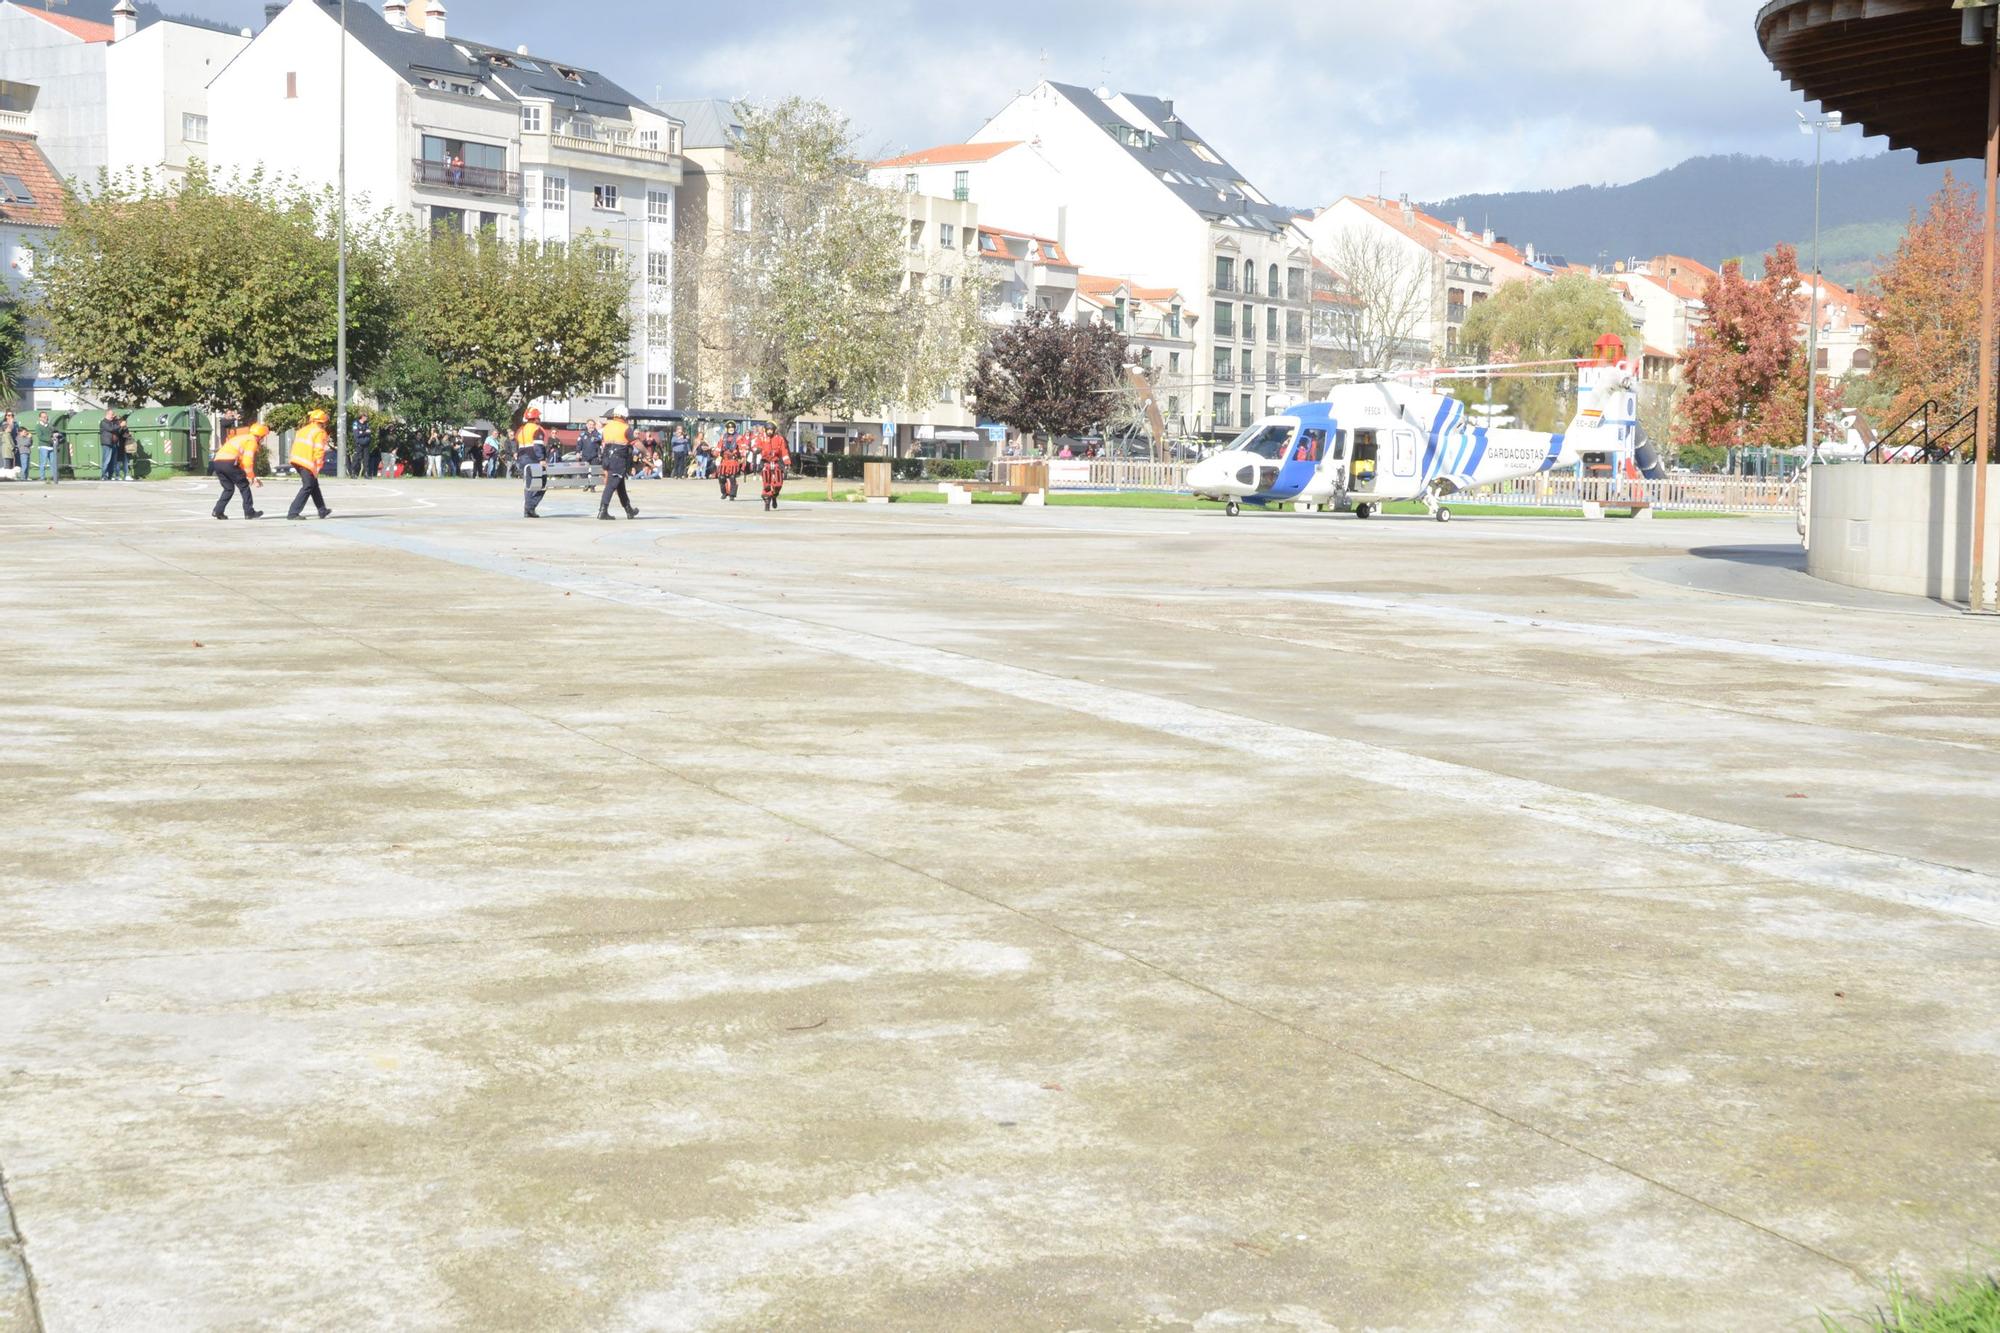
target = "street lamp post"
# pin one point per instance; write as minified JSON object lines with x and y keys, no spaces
{"x":340,"y":260}
{"x":1818,"y":127}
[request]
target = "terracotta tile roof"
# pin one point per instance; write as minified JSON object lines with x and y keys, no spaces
{"x":82,"y":29}
{"x":1657,"y":352}
{"x":951,"y":153}
{"x":1096,"y":284}
{"x":1050,"y":252}
{"x":22,"y":158}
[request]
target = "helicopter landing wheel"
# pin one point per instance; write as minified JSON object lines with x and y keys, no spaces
{"x":1364,"y":510}
{"x":1233,"y":509}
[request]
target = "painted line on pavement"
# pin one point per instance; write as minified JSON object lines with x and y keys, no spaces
{"x":1761,"y":853}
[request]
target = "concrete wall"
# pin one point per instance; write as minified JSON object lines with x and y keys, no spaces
{"x":69,"y":116}
{"x":1900,"y":527}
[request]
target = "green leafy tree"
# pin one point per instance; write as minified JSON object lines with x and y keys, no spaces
{"x":808,"y":298}
{"x":206,"y":291}
{"x":425,"y":394}
{"x":1045,"y":377}
{"x":1559,"y":320}
{"x":13,"y":340}
{"x":521,"y":321}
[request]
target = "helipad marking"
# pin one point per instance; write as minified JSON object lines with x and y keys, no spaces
{"x":1757,"y":852}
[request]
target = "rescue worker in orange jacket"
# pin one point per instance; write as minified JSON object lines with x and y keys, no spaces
{"x":531,"y":453}
{"x":309,"y":448}
{"x":235,"y":466}
{"x":728,"y":466}
{"x":616,"y":455}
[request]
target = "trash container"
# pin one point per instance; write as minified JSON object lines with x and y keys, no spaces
{"x":80,"y":458}
{"x":169,"y":439}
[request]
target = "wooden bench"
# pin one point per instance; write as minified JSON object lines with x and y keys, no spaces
{"x":960,"y":492}
{"x":1635,"y":507}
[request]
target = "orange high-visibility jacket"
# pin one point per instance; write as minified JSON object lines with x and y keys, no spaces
{"x":241,"y":447}
{"x":617,"y":432}
{"x":309,"y":447}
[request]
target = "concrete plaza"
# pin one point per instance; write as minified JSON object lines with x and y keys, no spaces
{"x":921,"y":918}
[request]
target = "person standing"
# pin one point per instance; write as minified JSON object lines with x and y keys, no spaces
{"x":235,"y":466}
{"x":617,"y":455}
{"x":309,"y":448}
{"x":13,"y":446}
{"x":367,"y":457}
{"x":589,"y":446}
{"x":776,"y":457}
{"x":679,"y":449}
{"x":531,"y":452}
{"x":111,"y":438}
{"x":43,"y":437}
{"x":729,"y":465}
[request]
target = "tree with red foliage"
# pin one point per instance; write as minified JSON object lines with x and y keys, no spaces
{"x":1044,"y":376}
{"x":1744,"y":377}
{"x":1924,"y":312}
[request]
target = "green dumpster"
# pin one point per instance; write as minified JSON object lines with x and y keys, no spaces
{"x":80,"y":457}
{"x":172,"y":440}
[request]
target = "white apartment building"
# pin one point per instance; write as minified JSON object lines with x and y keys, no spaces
{"x":1160,"y":331}
{"x":1024,"y":273}
{"x":115,"y":96}
{"x":1455,"y":268}
{"x":943,"y":249}
{"x":1130,"y":190}
{"x":459,"y":136}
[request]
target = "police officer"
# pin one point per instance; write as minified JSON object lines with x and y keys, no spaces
{"x":235,"y":466}
{"x":589,"y":445}
{"x":617,"y":455}
{"x":369,"y":459}
{"x":309,"y":448}
{"x":531,"y":450}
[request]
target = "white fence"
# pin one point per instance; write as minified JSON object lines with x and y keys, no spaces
{"x":1690,"y":494}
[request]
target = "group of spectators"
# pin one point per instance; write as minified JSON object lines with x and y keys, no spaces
{"x":656,"y":453}
{"x":39,"y":446}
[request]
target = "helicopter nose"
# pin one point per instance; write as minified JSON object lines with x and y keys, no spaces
{"x":1210,"y":475}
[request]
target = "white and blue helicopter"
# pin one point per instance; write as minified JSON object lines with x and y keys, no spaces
{"x":1371,"y":443}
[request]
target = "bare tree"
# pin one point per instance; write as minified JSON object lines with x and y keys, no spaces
{"x":1387,"y":288}
{"x":801,"y":302}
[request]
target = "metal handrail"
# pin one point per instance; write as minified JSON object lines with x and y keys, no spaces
{"x":1922,"y":415}
{"x":472,"y":180}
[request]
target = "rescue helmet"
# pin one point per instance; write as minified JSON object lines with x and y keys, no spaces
{"x":259,"y":429}
{"x":617,"y":412}
{"x":317,"y":416}
{"x":532,"y":414}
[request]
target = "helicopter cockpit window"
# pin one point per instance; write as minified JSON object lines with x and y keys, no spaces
{"x":1312,"y":447}
{"x":1267,"y":442}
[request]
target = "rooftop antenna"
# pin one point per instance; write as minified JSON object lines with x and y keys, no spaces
{"x":1381,"y":183}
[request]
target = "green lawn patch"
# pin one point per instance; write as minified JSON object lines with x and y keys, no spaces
{"x":1969,"y":1304}
{"x":1173,"y":500}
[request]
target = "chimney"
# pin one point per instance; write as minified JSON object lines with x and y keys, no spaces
{"x":1529,"y":251}
{"x":434,"y":19}
{"x":272,"y":10}
{"x":1487,"y":236}
{"x":1461,"y":228}
{"x":396,"y":14}
{"x":124,"y":20}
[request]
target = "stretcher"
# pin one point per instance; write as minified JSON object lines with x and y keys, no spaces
{"x":544,"y":477}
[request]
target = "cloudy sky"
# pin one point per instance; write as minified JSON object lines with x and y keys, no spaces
{"x":1311,"y":98}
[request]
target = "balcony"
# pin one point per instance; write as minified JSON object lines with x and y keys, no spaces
{"x":466,"y":180}
{"x":14,"y":122}
{"x":1459,"y":271}
{"x":1454,"y":314}
{"x":1224,"y":284}
{"x":1225,"y":374}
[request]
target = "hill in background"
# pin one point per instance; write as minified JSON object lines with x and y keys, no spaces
{"x":1717,"y":208}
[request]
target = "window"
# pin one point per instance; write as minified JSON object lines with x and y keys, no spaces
{"x":1225,"y":274}
{"x":909,"y":182}
{"x":947,"y":235}
{"x":611,"y":387}
{"x":555,"y":192}
{"x":531,"y":118}
{"x":1270,"y":367}
{"x":489,"y":224}
{"x":607,"y":258}
{"x":1221,"y":409}
{"x":739,"y":208}
{"x":1272,"y":287}
{"x":1174,"y":321}
{"x":604,"y":198}
{"x":1295,"y":326}
{"x":1173,"y":408}
{"x":1249,"y":366}
{"x":1246,"y":409}
{"x":1820,"y":358}
{"x":659,"y":329}
{"x":291,"y":84}
{"x":194,"y":129}
{"x":1249,"y":323}
{"x":659,"y":207}
{"x":916,"y":235}
{"x":945,"y":395}
{"x":1295,"y":284}
{"x":944,"y":284}
{"x":1271,"y":323}
{"x":1223,"y":371}
{"x":1118,"y":315}
{"x":1250,"y":279}
{"x":659,"y":267}
{"x":1294,"y":371}
{"x":447,"y":221}
{"x":961,"y":186}
{"x":1173,"y":363}
{"x":1225,"y":320}
{"x":569,"y":74}
{"x":659,"y":389}
{"x":1864,"y":359}
{"x":650,"y":140}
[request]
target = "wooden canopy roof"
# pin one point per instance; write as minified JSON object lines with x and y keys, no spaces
{"x":1892,"y":67}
